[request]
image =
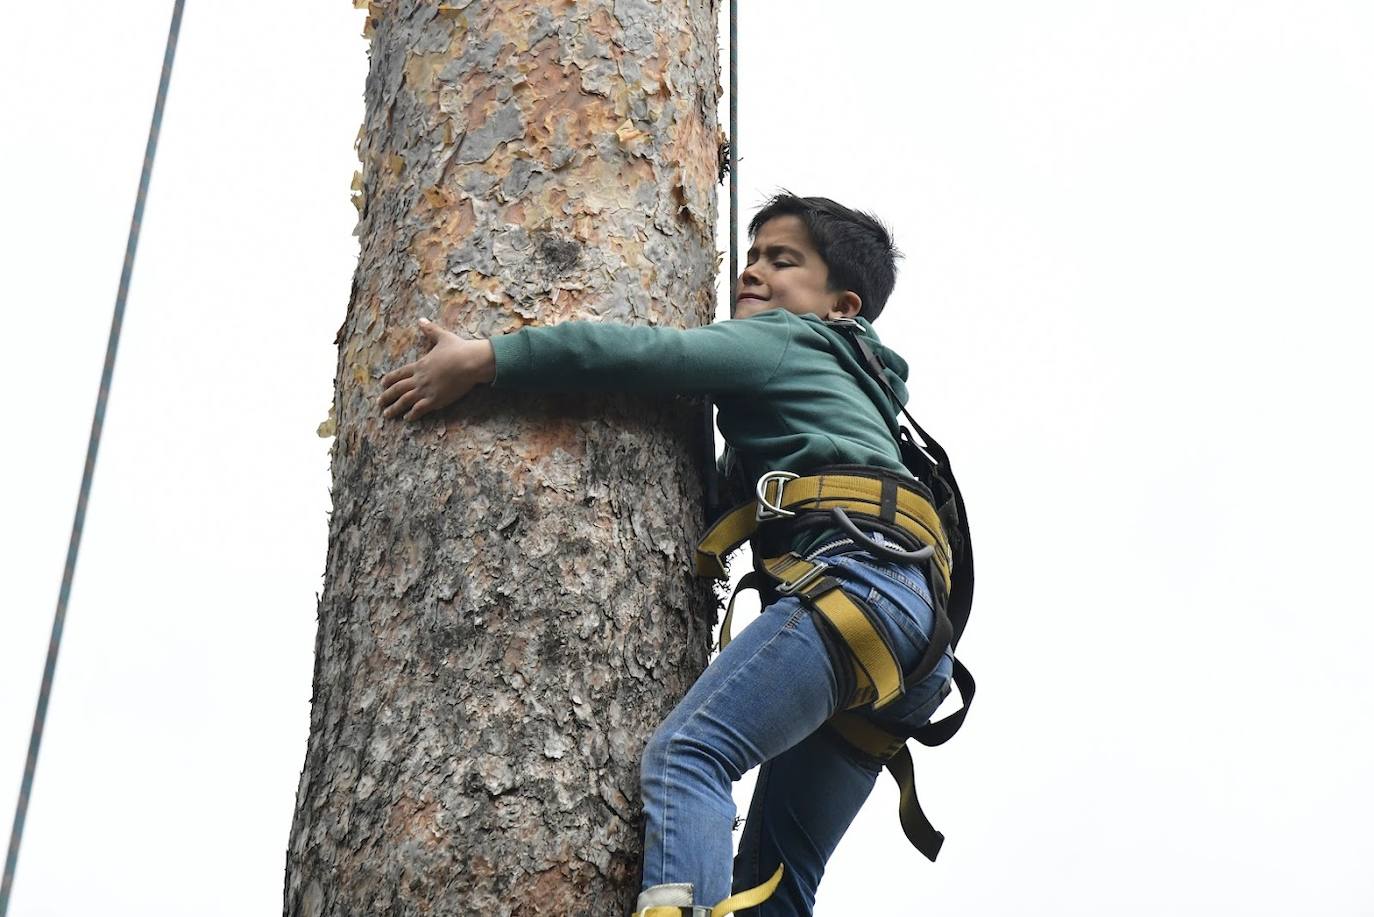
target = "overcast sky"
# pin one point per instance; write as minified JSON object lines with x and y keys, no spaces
{"x":1137,"y":302}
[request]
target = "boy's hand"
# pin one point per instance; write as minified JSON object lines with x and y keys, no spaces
{"x":443,"y":375}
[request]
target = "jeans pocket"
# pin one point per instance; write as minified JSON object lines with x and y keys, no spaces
{"x":914,"y":619}
{"x":910,"y":578}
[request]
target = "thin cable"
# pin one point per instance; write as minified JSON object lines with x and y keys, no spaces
{"x":732,"y":143}
{"x":93,"y":445}
{"x":734,"y":152}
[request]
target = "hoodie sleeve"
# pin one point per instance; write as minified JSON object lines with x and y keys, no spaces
{"x":730,"y":356}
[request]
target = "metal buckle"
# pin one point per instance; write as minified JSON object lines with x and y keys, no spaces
{"x":807,"y":579}
{"x":768,"y":508}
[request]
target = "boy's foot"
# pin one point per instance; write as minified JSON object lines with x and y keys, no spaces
{"x":676,"y":900}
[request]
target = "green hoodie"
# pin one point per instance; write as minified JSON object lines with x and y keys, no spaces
{"x":790,"y":391}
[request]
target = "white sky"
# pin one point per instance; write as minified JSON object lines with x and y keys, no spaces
{"x":1137,"y":292}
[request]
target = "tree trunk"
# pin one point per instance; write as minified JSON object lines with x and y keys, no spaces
{"x":508,"y":610}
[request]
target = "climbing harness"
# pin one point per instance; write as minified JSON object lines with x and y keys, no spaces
{"x":885,"y":501}
{"x":667,"y":900}
{"x":922,"y":521}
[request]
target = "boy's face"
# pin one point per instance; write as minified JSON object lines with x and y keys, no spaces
{"x":784,"y":271}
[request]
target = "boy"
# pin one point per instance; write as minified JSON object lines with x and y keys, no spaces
{"x":793,"y":396}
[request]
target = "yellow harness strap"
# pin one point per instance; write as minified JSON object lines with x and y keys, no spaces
{"x":877,"y":674}
{"x":863,"y":496}
{"x":751,"y":898}
{"x":730,"y":531}
{"x":855,"y":494}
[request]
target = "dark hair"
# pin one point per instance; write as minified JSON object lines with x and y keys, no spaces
{"x":856,"y":248}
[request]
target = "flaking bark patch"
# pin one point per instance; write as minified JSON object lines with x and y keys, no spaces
{"x":508,"y":612}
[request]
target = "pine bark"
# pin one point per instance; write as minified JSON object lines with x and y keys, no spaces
{"x":508,"y":610}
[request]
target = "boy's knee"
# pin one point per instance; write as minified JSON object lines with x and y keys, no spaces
{"x":655,"y":758}
{"x":692,"y":759}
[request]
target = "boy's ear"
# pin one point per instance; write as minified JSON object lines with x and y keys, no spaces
{"x":847,"y":306}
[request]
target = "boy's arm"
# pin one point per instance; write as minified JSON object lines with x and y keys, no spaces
{"x":607,"y":357}
{"x":590,"y":357}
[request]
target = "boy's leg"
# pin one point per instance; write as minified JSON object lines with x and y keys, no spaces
{"x":769,"y":689}
{"x":804,"y":801}
{"x":806,"y":798}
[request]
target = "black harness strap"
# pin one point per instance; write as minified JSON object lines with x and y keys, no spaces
{"x":925,"y":518}
{"x":960,"y":599}
{"x":961,"y":590}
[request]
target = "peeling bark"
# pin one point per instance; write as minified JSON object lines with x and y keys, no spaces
{"x":508,"y":610}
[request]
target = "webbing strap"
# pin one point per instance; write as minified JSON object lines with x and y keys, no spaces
{"x":915,"y":824}
{"x":892,"y":751}
{"x":871,"y":497}
{"x":863,"y":494}
{"x":863,"y":735}
{"x":750,"y":580}
{"x":877,"y":673}
{"x":961,"y":590}
{"x":729,"y":532}
{"x":751,"y":898}
{"x":940,"y":732}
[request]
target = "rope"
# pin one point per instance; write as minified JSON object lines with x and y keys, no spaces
{"x":97,"y":424}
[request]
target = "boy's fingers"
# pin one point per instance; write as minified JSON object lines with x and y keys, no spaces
{"x":422,"y":407}
{"x":402,"y":405}
{"x":405,"y":372}
{"x":396,"y":390}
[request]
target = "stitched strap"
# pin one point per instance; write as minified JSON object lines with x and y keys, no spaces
{"x":891,"y":749}
{"x":751,"y":580}
{"x":751,"y":898}
{"x":730,"y":531}
{"x":878,"y":674}
{"x":872,"y":497}
{"x":941,"y":731}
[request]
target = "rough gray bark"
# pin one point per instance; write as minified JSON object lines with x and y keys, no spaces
{"x":508,"y":610}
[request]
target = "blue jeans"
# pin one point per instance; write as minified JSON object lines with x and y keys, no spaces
{"x":761,"y":702}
